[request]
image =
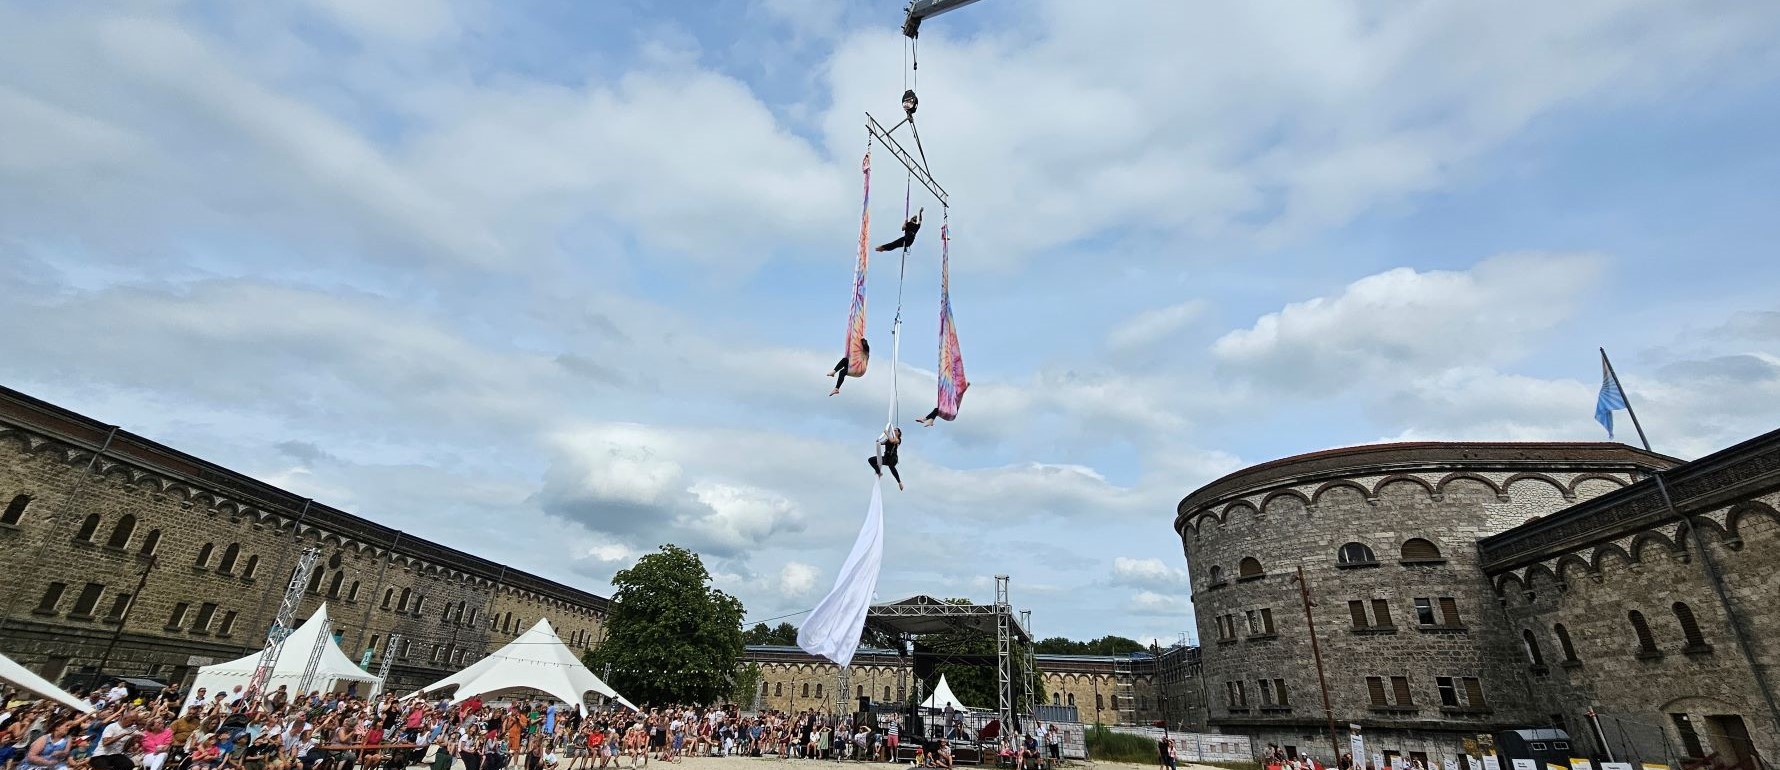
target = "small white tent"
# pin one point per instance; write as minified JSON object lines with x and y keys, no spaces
{"x":942,"y":697}
{"x":18,"y":676}
{"x":333,"y":672}
{"x":536,"y":660}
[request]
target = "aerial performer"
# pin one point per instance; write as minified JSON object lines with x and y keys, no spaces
{"x":952,"y":382}
{"x":840,"y":369}
{"x":886,"y":457}
{"x":909,"y":228}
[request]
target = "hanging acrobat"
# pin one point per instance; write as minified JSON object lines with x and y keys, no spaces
{"x":952,"y":383}
{"x":858,"y":355}
{"x":834,"y":627}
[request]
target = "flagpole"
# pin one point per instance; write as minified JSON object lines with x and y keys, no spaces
{"x":1710,"y":565}
{"x":1627,"y":399}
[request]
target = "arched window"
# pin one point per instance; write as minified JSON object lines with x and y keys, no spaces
{"x":315,"y":580}
{"x":1356,"y":553}
{"x":1417,"y":549}
{"x":886,"y":693}
{"x":1071,"y":698}
{"x":806,"y":689}
{"x":778,"y":689}
{"x":151,"y":542}
{"x":88,"y":528}
{"x":252,"y":567}
{"x":1690,"y":627}
{"x":1056,"y":699}
{"x":334,"y":584}
{"x":472,"y":620}
{"x":1099,"y":702}
{"x":15,"y":510}
{"x":120,"y":534}
{"x":230,"y":554}
{"x":763,"y":689}
{"x":1646,"y":641}
{"x":402,"y":605}
{"x":204,"y":554}
{"x":419,"y":604}
{"x":1532,"y":644}
{"x":1217,"y":575}
{"x":818,"y":689}
{"x":389,"y":595}
{"x":1249,"y":567}
{"x":1564,"y":643}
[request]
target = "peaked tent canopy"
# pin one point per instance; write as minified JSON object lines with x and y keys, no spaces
{"x":18,"y":676}
{"x":332,"y":671}
{"x":536,"y":660}
{"x":942,"y":697}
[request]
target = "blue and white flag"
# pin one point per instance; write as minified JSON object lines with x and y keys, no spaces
{"x":1611,"y":397}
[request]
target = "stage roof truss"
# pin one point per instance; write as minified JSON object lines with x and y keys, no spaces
{"x":919,"y":615}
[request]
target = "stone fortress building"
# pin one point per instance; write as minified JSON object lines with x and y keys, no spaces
{"x":105,"y":533}
{"x":793,"y":680}
{"x":1462,"y":589}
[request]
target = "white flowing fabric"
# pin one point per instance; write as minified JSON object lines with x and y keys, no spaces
{"x":833,"y":628}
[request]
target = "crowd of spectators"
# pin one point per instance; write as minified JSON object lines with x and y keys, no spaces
{"x":201,"y":730}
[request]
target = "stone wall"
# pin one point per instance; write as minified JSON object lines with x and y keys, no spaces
{"x":1570,"y":583}
{"x":791,"y":680}
{"x":218,"y":549}
{"x":1436,"y":500}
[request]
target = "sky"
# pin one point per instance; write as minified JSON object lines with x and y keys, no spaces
{"x":557,"y":282}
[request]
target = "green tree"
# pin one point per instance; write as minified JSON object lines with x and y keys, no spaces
{"x":670,"y":636}
{"x":747,"y":685}
{"x":783,"y":634}
{"x":1106,"y":645}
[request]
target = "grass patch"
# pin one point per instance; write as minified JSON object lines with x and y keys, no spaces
{"x":1108,"y":746}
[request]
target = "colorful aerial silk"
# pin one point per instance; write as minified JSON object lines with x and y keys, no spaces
{"x":857,"y":354}
{"x":951,"y":362}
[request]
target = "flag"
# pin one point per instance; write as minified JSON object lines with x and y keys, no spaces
{"x":1611,"y":397}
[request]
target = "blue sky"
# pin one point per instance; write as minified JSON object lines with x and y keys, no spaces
{"x":556,"y":282}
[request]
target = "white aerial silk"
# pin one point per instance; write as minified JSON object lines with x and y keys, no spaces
{"x":833,"y":628}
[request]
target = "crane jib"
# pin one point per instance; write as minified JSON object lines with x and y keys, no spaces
{"x":921,"y":10}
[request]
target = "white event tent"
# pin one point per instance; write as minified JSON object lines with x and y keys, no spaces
{"x":332,"y":673}
{"x":942,"y":697}
{"x":18,"y":676}
{"x":536,"y":660}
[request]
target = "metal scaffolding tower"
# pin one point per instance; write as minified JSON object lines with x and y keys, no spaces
{"x":1026,"y":664}
{"x":1124,"y":695}
{"x":389,"y":657}
{"x":322,"y":640}
{"x":283,"y":622}
{"x":1004,"y":638}
{"x":843,"y":690}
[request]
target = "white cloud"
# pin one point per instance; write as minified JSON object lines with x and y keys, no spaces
{"x":1407,"y":322}
{"x":1148,"y":574}
{"x":1150,"y":327}
{"x":797,"y":579}
{"x":1152,"y":603}
{"x":1254,"y":117}
{"x":610,"y":553}
{"x":407,"y":21}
